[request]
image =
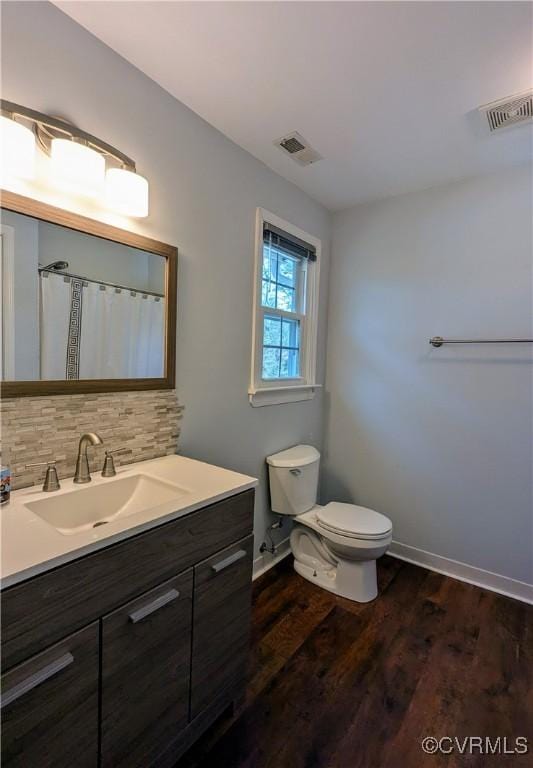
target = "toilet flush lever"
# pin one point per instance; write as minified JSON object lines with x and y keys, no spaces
{"x":295,"y":472}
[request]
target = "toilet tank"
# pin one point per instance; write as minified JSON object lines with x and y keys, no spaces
{"x":294,"y":479}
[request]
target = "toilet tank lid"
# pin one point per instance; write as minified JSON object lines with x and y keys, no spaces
{"x":298,"y":456}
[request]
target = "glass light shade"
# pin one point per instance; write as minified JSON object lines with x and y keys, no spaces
{"x":17,"y":147}
{"x":126,"y":192}
{"x":77,"y":168}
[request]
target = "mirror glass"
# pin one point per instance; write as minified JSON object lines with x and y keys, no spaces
{"x":76,"y":306}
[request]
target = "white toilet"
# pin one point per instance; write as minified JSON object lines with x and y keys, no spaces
{"x":335,"y":546}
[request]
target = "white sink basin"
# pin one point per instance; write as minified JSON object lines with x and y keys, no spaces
{"x":93,"y":506}
{"x":42,"y":530}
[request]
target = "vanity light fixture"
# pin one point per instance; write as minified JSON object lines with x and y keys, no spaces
{"x":126,"y":192}
{"x":77,"y":168}
{"x":17,"y":147}
{"x":78,"y":159}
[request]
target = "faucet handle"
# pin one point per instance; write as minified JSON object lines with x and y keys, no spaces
{"x":108,"y":469}
{"x":51,"y":480}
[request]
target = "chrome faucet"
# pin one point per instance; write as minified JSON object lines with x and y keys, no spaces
{"x":83,"y":474}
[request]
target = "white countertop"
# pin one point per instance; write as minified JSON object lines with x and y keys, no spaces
{"x":30,"y":545}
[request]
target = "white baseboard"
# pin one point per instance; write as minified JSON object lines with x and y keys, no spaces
{"x":266,"y":561}
{"x":520,"y":590}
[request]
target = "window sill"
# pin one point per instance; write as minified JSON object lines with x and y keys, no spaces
{"x":279,"y":395}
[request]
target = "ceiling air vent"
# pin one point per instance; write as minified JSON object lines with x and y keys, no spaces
{"x":298,"y":148}
{"x":509,"y":111}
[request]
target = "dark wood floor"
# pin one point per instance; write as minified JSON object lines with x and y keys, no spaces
{"x":333,"y":684}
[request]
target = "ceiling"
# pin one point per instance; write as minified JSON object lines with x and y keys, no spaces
{"x":386,"y":92}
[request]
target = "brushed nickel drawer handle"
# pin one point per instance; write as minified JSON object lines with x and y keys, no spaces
{"x":217,"y":567}
{"x":155,"y":605}
{"x":36,"y":679}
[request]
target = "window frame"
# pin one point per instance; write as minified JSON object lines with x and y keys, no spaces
{"x":276,"y":391}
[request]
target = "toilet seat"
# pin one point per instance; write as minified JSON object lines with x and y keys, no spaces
{"x":353,"y":521}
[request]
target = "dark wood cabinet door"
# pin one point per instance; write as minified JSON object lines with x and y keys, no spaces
{"x":222,"y":595}
{"x":146,"y":654}
{"x":50,"y":706}
{"x":42,"y":610}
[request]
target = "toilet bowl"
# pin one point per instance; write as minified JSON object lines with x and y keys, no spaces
{"x":334,"y":546}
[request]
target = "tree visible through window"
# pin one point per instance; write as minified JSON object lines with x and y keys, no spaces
{"x":283,"y":297}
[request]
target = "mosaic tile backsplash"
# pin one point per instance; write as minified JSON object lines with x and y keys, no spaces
{"x":146,"y":424}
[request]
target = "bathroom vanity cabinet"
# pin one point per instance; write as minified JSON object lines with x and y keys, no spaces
{"x":125,"y":656}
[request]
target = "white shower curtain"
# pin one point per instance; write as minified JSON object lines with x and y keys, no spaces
{"x":54,"y":311}
{"x":122,"y":335}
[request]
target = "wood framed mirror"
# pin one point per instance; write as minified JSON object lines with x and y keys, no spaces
{"x":86,"y":307}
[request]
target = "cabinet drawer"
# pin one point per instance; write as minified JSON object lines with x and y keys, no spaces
{"x":146,"y":653}
{"x":44,"y":609}
{"x":50,"y":706}
{"x":222,"y":595}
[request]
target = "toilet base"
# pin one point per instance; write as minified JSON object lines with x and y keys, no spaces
{"x":355,"y":580}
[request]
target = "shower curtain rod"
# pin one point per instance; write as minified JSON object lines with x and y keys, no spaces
{"x":438,"y":341}
{"x":101,"y":282}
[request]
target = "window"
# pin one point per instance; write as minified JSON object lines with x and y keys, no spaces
{"x":285,"y":298}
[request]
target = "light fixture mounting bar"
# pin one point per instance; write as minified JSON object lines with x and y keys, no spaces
{"x":39,"y":119}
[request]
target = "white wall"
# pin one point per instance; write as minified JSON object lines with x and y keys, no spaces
{"x":439,"y":440}
{"x":204,"y":191}
{"x":26,"y":294}
{"x":99,"y":259}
